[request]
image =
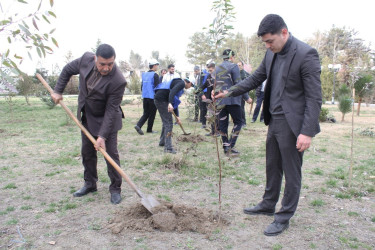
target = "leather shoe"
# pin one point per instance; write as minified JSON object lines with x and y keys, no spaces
{"x":139,"y":130}
{"x":259,"y":210}
{"x":83,"y":191}
{"x":276,"y":228}
{"x":115,"y":198}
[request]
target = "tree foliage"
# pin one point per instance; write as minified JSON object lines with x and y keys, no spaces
{"x":340,"y":46}
{"x":345,"y":100}
{"x":135,"y":60}
{"x":163,"y":62}
{"x":200,"y":49}
{"x":17,"y":29}
{"x":363,"y":87}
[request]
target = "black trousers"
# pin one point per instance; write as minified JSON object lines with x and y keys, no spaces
{"x":235,"y":112}
{"x":149,"y":113}
{"x":282,"y":157}
{"x":89,"y":160}
{"x":203,"y":110}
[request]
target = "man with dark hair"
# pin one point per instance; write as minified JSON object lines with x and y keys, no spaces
{"x":170,"y":74}
{"x":292,"y":105}
{"x":101,"y":88}
{"x":167,"y":96}
{"x":162,"y":73}
{"x":150,"y":80}
{"x":229,"y":74}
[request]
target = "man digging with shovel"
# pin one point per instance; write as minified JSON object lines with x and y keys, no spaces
{"x":168,"y":94}
{"x":101,"y":88}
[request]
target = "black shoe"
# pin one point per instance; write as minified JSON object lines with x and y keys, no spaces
{"x":209,"y":134}
{"x":276,"y":228}
{"x":170,"y":151}
{"x":115,"y":198}
{"x":203,"y":126}
{"x":252,"y":121}
{"x":83,"y":191}
{"x":259,"y":210}
{"x":139,"y":130}
{"x":226,"y":149}
{"x":152,"y":132}
{"x":261,"y":120}
{"x":161,"y":144}
{"x":234,"y":152}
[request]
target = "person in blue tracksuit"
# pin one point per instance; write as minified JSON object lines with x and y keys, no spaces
{"x":167,"y":94}
{"x":150,"y":80}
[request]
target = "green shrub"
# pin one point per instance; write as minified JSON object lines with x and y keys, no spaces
{"x":323,"y":114}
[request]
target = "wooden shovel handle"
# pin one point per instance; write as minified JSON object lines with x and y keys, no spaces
{"x":92,"y":139}
{"x":179,"y":123}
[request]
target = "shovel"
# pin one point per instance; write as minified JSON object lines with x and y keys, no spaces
{"x":148,"y":201}
{"x":183,"y":130}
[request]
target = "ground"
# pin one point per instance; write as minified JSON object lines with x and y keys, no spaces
{"x":40,"y":168}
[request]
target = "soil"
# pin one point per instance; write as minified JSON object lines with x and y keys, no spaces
{"x":191,"y":138}
{"x":167,"y":217}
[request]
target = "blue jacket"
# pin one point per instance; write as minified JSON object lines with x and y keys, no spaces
{"x":167,"y":85}
{"x":148,"y":85}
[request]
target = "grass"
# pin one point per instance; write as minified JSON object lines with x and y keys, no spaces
{"x":317,"y":203}
{"x":52,"y":155}
{"x":10,"y":186}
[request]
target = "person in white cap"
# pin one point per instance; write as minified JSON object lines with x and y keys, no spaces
{"x":150,"y":80}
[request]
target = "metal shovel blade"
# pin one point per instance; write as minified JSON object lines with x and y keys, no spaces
{"x":150,"y":203}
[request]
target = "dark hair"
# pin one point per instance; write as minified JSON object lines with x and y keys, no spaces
{"x":106,"y":51}
{"x":241,"y":63}
{"x":271,"y":23}
{"x":228,"y":53}
{"x":170,"y":66}
{"x":161,"y":71}
{"x":211,"y":65}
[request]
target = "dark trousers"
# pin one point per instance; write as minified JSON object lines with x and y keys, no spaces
{"x":149,"y":113}
{"x":90,"y":159}
{"x":235,"y":112}
{"x":282,"y":157}
{"x":203,"y":110}
{"x":196,"y":107}
{"x":257,"y":107}
{"x":166,"y":118}
{"x":243,"y":113}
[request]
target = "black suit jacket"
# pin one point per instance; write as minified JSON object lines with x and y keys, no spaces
{"x":101,"y":106}
{"x":301,"y":96}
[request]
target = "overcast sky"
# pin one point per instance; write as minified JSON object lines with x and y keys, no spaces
{"x":166,"y":25}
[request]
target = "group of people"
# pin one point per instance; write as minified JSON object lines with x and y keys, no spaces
{"x":288,"y":79}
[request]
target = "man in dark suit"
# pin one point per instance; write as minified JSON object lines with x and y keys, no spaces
{"x":101,"y":88}
{"x":292,"y":105}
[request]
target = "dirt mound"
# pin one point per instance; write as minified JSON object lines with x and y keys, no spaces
{"x":166,"y":218}
{"x":191,"y":138}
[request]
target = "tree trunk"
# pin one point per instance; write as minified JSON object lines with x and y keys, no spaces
{"x":27,"y":100}
{"x":359,"y":106}
{"x":342,"y":118}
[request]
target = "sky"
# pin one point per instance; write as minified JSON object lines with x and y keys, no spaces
{"x":167,"y":25}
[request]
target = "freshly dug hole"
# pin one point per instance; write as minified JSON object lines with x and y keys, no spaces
{"x":191,"y":138}
{"x":166,"y":218}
